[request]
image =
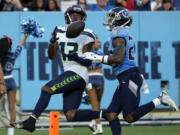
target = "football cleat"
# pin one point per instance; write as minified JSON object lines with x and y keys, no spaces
{"x":167,"y":101}
{"x":28,"y":124}
{"x":92,"y":127}
{"x":99,"y":130}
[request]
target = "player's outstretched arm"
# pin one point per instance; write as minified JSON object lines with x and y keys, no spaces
{"x":119,"y":51}
{"x":23,"y":40}
{"x":115,"y":58}
{"x":52,"y":50}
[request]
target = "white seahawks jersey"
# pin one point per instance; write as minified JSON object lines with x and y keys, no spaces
{"x":67,"y":45}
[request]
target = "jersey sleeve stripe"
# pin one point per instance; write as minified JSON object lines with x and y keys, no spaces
{"x":89,"y":34}
{"x":60,"y":31}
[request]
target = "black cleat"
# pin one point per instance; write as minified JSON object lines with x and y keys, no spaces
{"x":28,"y":124}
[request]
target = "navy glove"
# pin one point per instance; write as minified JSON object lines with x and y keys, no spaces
{"x":53,"y":36}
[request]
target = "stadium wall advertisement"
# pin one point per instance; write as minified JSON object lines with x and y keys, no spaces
{"x":157,"y":41}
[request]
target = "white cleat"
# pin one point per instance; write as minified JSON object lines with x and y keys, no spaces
{"x":98,"y":131}
{"x":92,"y":127}
{"x":166,"y":100}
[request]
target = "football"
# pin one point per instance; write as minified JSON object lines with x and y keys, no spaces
{"x":74,"y":29}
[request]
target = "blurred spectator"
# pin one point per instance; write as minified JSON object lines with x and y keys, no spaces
{"x":167,"y":5}
{"x":10,"y":5}
{"x":38,"y":5}
{"x":176,"y":4}
{"x":142,"y":5}
{"x":102,"y":5}
{"x":82,"y":4}
{"x":53,"y":6}
{"x":27,"y":4}
{"x":112,"y":2}
{"x":59,"y":4}
{"x":128,"y":4}
{"x":155,"y":4}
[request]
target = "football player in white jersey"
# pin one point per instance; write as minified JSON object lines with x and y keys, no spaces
{"x":72,"y":81}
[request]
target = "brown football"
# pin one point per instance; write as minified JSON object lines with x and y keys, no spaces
{"x":74,"y":29}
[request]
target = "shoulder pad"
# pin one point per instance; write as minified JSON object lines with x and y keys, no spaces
{"x":90,"y":33}
{"x":121,"y":32}
{"x":61,"y":29}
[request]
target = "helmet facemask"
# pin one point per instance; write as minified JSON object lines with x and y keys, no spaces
{"x":74,"y":9}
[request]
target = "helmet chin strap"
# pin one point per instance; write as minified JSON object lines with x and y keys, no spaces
{"x":124,"y":25}
{"x":74,"y":19}
{"x":69,"y":18}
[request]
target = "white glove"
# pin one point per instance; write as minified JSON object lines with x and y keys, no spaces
{"x":145,"y":88}
{"x":95,"y":58}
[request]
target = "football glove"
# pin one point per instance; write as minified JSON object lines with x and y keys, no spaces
{"x":53,"y":36}
{"x":96,"y":58}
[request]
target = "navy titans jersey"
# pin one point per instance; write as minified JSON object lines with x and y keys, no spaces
{"x":10,"y":60}
{"x":96,"y":65}
{"x":128,"y":61}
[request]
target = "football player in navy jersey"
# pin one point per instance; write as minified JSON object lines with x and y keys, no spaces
{"x":9,"y":81}
{"x":72,"y":82}
{"x":126,"y":98}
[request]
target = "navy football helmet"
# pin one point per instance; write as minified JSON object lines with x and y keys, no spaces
{"x":118,"y":17}
{"x":74,"y":9}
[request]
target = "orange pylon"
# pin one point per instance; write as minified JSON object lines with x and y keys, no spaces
{"x":54,"y":123}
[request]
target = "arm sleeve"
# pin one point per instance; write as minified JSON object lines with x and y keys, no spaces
{"x":17,"y":52}
{"x":80,"y":60}
{"x":84,"y":62}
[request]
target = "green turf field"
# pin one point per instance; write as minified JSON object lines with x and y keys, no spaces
{"x":138,"y":130}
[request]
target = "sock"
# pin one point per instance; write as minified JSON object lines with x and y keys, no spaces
{"x":10,"y":131}
{"x":42,"y":103}
{"x":115,"y":126}
{"x":93,"y":122}
{"x":156,"y":102}
{"x":142,"y":110}
{"x":86,"y":115}
{"x":33,"y":117}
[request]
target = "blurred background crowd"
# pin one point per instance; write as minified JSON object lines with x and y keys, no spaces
{"x":89,"y":5}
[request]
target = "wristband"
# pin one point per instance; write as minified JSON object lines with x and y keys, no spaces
{"x":105,"y":59}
